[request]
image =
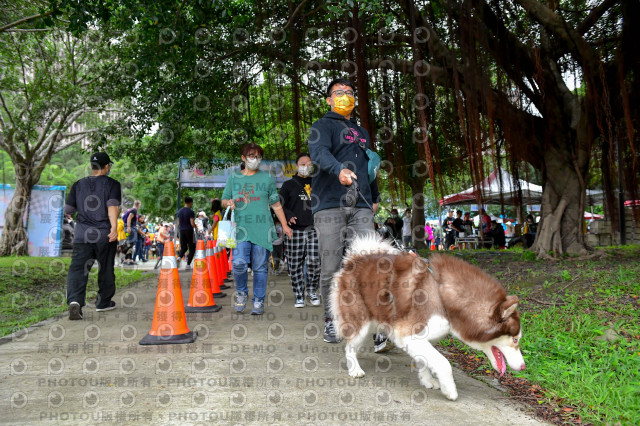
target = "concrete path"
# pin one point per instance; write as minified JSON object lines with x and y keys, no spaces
{"x":242,"y":369}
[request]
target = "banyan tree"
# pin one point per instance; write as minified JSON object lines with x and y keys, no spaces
{"x":443,"y":86}
{"x":553,"y":85}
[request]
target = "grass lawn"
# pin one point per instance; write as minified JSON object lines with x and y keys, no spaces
{"x":34,"y":288}
{"x":581,"y":332}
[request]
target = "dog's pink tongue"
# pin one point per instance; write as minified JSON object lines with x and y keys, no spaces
{"x":502,"y":367}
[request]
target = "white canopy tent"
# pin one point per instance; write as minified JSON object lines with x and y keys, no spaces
{"x":497,"y":188}
{"x":501,"y":187}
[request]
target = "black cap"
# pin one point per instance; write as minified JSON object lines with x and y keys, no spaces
{"x":101,"y":159}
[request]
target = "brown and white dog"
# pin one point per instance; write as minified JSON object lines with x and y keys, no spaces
{"x":416,"y":303}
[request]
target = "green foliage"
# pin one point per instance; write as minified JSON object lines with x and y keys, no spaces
{"x":528,"y":255}
{"x":33,"y":289}
{"x":598,"y":376}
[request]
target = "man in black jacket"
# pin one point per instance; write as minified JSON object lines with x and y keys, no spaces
{"x":295,"y":197}
{"x":337,"y":146}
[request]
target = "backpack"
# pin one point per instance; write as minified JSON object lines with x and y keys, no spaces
{"x":374,"y":164}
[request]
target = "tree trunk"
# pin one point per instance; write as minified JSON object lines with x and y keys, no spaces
{"x":362,"y":80}
{"x":560,"y":229}
{"x":15,"y":241}
{"x":295,"y":37}
{"x":417,"y":207}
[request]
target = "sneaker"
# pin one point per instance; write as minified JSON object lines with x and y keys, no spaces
{"x":381,"y":343}
{"x":241,"y":302}
{"x":75,"y":311}
{"x":330,"y":332}
{"x":258,"y":308}
{"x":111,"y":306}
{"x":299,"y":302}
{"x":186,"y":267}
{"x":314,"y":299}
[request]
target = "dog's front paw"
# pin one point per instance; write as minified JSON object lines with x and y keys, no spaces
{"x":450,"y":392}
{"x":430,"y":382}
{"x":356,"y":372}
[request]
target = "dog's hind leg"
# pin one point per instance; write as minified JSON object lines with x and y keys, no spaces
{"x":351,"y":350}
{"x":423,"y":352}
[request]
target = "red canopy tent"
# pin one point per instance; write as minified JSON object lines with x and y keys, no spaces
{"x":588,"y":215}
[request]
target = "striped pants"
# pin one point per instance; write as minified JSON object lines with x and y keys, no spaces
{"x":300,"y":248}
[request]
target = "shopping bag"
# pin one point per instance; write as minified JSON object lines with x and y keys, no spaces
{"x":227,"y":231}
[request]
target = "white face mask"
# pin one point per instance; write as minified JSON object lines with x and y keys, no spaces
{"x":304,"y":171}
{"x":253,"y":163}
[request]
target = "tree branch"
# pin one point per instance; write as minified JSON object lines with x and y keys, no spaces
{"x":28,"y":31}
{"x":46,"y":128}
{"x":594,"y":15}
{"x":570,"y":38}
{"x":24,"y":76}
{"x":67,"y":144}
{"x":294,"y":14}
{"x":4,"y":106}
{"x":48,"y":142}
{"x":67,"y":135}
{"x":511,"y":54}
{"x":24,"y":20}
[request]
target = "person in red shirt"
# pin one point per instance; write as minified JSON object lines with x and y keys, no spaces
{"x":485,"y":225}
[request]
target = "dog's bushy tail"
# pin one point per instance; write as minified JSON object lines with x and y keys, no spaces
{"x":369,"y":244}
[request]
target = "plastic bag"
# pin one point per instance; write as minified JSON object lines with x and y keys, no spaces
{"x":227,"y":231}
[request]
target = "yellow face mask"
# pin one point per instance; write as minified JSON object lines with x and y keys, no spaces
{"x":344,"y":104}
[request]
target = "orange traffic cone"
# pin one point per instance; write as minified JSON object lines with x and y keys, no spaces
{"x":201,"y":296}
{"x":226,"y":262}
{"x":433,"y":245}
{"x":169,"y":324}
{"x":220,"y":268}
{"x":215,"y":283}
{"x":225,"y":266}
{"x":211,"y":265}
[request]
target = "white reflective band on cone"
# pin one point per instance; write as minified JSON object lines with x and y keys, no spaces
{"x":169,"y":262}
{"x":199,"y":254}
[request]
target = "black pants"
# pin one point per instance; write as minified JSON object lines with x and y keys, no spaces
{"x":84,"y":254}
{"x":449,"y":240}
{"x":277,"y":255}
{"x":187,"y":242}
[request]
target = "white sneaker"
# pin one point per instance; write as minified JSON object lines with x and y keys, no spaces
{"x":314,"y":299}
{"x":299,"y":302}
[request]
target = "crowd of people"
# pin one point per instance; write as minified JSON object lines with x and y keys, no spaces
{"x":139,"y":240}
{"x":307,"y":225}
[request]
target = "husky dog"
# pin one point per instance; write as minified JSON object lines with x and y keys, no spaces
{"x":417,"y":303}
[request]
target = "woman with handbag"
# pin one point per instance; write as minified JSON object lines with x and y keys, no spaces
{"x":250,"y":192}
